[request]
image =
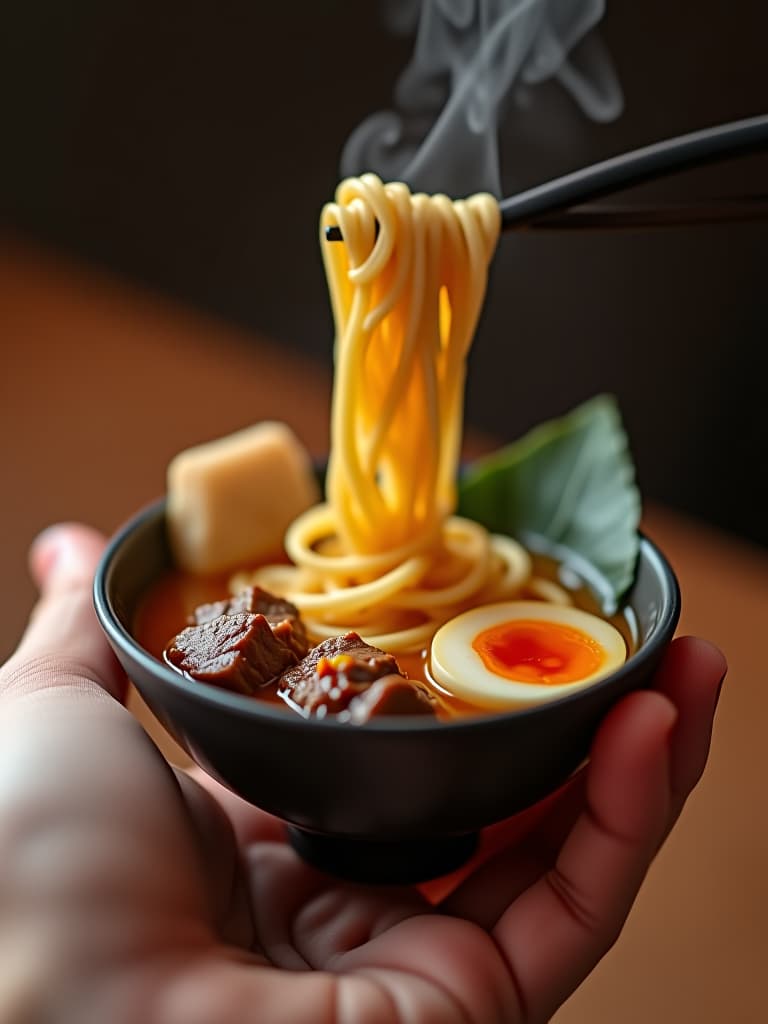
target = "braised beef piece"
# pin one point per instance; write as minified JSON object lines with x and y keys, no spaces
{"x":253,"y":599}
{"x":282,"y":616}
{"x":239,"y":652}
{"x":369,"y":662}
{"x":390,"y":695}
{"x":340,"y":672}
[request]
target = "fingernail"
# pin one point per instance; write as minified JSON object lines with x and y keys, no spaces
{"x":50,"y":552}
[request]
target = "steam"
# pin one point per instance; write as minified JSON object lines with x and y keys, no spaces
{"x":470,"y":58}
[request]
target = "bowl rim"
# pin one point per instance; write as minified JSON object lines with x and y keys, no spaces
{"x":216,"y":697}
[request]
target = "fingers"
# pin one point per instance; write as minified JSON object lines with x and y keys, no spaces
{"x":648,"y":756}
{"x":236,"y":990}
{"x":228,"y":887}
{"x":556,"y":931}
{"x":513,"y":855}
{"x":303,"y":918}
{"x":63,"y":642}
{"x":691,"y":676}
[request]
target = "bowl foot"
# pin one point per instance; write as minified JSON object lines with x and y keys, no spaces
{"x":381,"y":862}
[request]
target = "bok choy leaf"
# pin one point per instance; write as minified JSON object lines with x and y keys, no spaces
{"x":571,"y":481}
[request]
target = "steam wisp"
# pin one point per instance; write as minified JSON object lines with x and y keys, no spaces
{"x":470,"y":58}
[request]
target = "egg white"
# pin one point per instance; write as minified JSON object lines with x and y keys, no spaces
{"x":457,"y":666}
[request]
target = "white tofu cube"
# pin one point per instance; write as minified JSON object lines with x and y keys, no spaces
{"x":230,"y":501}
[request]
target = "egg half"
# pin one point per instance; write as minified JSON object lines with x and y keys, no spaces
{"x":523,"y":652}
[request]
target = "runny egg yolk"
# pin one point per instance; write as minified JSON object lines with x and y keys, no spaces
{"x":535,"y":651}
{"x":519,"y":653}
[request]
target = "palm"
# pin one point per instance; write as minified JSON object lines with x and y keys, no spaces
{"x":191,"y":894}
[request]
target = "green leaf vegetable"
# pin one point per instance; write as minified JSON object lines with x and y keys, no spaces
{"x":570,"y":481}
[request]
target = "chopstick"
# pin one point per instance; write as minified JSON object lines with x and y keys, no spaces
{"x":560,"y":203}
{"x":602,"y":217}
{"x":736,"y":138}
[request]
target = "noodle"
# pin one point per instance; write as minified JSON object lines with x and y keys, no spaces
{"x":385,"y":555}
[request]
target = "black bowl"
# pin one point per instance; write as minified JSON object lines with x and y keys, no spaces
{"x":394,"y":800}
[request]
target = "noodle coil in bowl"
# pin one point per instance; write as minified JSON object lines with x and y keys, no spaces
{"x":401,"y":555}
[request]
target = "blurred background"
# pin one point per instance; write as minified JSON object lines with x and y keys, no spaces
{"x":190,"y":146}
{"x":162,"y":168}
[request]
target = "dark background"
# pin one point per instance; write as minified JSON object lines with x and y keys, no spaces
{"x":190,"y":147}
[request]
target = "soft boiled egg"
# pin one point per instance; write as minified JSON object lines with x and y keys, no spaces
{"x":523,"y":652}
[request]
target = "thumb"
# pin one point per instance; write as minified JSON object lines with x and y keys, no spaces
{"x":63,"y":642}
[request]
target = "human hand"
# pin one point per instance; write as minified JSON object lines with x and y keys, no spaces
{"x":133,"y":892}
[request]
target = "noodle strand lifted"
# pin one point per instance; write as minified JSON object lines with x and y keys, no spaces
{"x":385,"y":555}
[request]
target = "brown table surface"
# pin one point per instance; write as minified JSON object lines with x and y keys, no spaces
{"x":101,"y":383}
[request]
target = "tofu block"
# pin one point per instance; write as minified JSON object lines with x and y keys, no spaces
{"x":230,"y":501}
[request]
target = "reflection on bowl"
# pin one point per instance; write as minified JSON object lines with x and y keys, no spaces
{"x":398,"y":799}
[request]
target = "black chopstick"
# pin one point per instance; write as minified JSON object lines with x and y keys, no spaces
{"x":736,"y":138}
{"x":604,"y":217}
{"x":555,"y":204}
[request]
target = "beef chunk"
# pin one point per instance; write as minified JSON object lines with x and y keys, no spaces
{"x":368,"y":663}
{"x":208,"y":612}
{"x":254,"y":600}
{"x":282,"y":616}
{"x":324,"y":695}
{"x":238,"y":652}
{"x":334,"y":672}
{"x":390,"y":695}
{"x":293,"y":635}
